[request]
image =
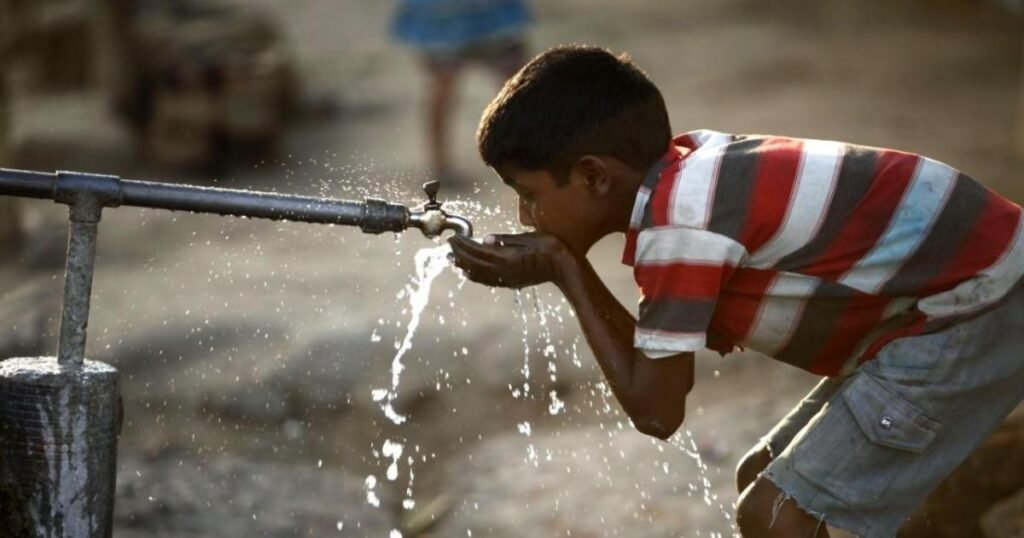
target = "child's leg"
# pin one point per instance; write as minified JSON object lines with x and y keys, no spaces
{"x":764,"y":511}
{"x":779,"y":438}
{"x":439,"y":105}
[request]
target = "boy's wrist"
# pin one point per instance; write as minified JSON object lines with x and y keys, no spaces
{"x":567,"y":269}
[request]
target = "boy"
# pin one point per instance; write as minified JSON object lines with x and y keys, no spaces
{"x":891,"y":274}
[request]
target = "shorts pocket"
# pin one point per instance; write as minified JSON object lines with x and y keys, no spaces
{"x":863,"y":446}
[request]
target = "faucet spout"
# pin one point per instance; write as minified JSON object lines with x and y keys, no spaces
{"x":460,"y":225}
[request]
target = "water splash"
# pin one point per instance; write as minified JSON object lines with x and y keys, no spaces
{"x":687,"y":444}
{"x":430,"y":262}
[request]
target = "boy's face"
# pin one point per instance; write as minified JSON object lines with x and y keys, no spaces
{"x":568,"y":211}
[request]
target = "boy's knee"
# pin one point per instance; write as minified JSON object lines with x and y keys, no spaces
{"x":765,"y":512}
{"x":751,"y":465}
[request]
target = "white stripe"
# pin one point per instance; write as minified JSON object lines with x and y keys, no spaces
{"x":669,"y":244}
{"x":779,"y":316}
{"x":642,"y":196}
{"x":793,"y":286}
{"x":661,"y":341}
{"x":658,"y":354}
{"x":709,"y":138}
{"x":985,"y":289}
{"x":921,"y":206}
{"x":694,"y":188}
{"x":812,"y":194}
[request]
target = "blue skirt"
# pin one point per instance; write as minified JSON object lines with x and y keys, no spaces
{"x":451,"y":25}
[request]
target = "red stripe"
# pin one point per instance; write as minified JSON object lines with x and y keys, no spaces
{"x":771,"y":190}
{"x":681,"y":280}
{"x":686,"y":140}
{"x":987,"y":240}
{"x":661,"y":196}
{"x":862,"y":315}
{"x":740,"y":303}
{"x":869,"y":220}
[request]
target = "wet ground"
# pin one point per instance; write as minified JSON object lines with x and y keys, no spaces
{"x":262,"y":342}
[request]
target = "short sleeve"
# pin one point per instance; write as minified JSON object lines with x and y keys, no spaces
{"x":681,"y":272}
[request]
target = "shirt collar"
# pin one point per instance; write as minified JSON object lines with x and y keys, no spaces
{"x":643,"y":195}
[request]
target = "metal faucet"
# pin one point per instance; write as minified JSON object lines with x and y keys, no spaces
{"x":432,"y":220}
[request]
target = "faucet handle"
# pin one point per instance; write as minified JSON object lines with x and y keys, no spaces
{"x":431,"y":189}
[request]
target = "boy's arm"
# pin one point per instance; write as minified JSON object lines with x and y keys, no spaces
{"x":652,"y":391}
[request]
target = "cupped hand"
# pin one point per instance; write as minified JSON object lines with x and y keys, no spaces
{"x":510,"y":261}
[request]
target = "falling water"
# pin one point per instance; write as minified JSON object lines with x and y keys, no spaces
{"x":430,"y":262}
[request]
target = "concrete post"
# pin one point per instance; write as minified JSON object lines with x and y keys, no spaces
{"x":58,"y":448}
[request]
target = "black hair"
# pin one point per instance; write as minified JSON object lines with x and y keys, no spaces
{"x":572,"y":101}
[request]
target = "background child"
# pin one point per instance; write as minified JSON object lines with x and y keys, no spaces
{"x":448,"y":34}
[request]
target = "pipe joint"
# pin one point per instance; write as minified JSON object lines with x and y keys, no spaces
{"x":380,"y":216}
{"x":87,"y":194}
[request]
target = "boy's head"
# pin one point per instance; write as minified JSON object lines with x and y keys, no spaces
{"x":584,"y":126}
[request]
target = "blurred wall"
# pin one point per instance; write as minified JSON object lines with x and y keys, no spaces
{"x":10,"y":231}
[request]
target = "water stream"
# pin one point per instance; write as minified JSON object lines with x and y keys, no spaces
{"x":430,"y":262}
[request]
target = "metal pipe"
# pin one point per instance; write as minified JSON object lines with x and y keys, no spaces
{"x":371,"y":215}
{"x":74,"y":320}
{"x":265,"y":205}
{"x":26,"y":184}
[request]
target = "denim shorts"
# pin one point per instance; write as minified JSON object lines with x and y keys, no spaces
{"x":862,"y":452}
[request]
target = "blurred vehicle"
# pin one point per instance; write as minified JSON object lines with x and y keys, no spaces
{"x":204,"y":81}
{"x":196,"y":81}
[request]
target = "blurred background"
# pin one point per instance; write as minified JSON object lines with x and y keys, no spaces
{"x":250,"y":351}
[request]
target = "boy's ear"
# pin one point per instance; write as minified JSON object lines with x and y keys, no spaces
{"x":595,"y":171}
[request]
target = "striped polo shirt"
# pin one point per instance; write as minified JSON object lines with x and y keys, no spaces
{"x":813,"y":252}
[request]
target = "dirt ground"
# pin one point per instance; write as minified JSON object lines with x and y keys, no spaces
{"x":263,"y":341}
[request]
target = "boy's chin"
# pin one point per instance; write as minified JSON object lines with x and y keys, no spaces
{"x":579,"y":247}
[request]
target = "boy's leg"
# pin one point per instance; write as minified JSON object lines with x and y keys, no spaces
{"x":894,"y":429}
{"x":765,"y":512}
{"x":789,"y":519}
{"x":772,"y":444}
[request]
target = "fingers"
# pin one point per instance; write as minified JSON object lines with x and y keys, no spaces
{"x":509,"y":240}
{"x":487,"y":252}
{"x":476,"y":268}
{"x":491,"y":270}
